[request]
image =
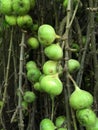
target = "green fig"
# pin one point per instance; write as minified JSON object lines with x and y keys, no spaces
{"x":21,"y":7}
{"x":24,"y":21}
{"x":31,"y":65}
{"x":33,"y":42}
{"x":73,"y":65}
{"x":46,"y":34}
{"x":51,"y":84}
{"x":93,"y":127}
{"x":33,"y":75}
{"x":32,"y":4}
{"x":65,"y":3}
{"x":42,"y":75}
{"x":11,"y":20}
{"x":24,"y":105}
{"x":54,"y":52}
{"x":1,"y":104}
{"x":29,"y":96}
{"x":60,"y":120}
{"x":37,"y":86}
{"x":47,"y":124}
{"x":34,"y":27}
{"x":86,"y":117}
{"x":84,"y":40}
{"x":6,"y":7}
{"x":76,"y":47}
{"x":80,"y":99}
{"x":51,"y":67}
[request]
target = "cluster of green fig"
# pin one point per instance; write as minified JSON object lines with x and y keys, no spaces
{"x":81,"y":101}
{"x":28,"y":97}
{"x":60,"y":123}
{"x":48,"y":80}
{"x":16,"y":12}
{"x":33,"y":75}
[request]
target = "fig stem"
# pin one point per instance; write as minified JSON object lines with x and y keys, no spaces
{"x":52,"y":110}
{"x":58,"y":37}
{"x":73,"y":81}
{"x":56,"y":75}
{"x":73,"y":50}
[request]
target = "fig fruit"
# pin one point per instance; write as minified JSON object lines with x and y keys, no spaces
{"x":33,"y":75}
{"x":24,"y":21}
{"x":51,"y":84}
{"x":65,"y":3}
{"x":32,"y":4}
{"x":29,"y":97}
{"x":60,"y":120}
{"x":86,"y":117}
{"x":31,"y":65}
{"x":46,"y":34}
{"x":75,"y":46}
{"x":6,"y":7}
{"x":34,"y":27}
{"x":24,"y":105}
{"x":73,"y":65}
{"x":37,"y":86}
{"x":21,"y":7}
{"x":80,"y":99}
{"x":93,"y":127}
{"x":11,"y":19}
{"x":33,"y":42}
{"x":84,"y":39}
{"x":1,"y":103}
{"x":47,"y":124}
{"x":51,"y":67}
{"x":54,"y":52}
{"x":41,"y":77}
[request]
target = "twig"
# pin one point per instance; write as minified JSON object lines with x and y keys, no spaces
{"x":62,"y":26}
{"x":6,"y":80}
{"x":31,"y":118}
{"x":15,"y":69}
{"x":22,"y":46}
{"x":94,"y":49}
{"x":66,"y":43}
{"x":14,"y":115}
{"x":55,"y":15}
{"x":92,"y":9}
{"x":80,"y":73}
{"x":75,"y":11}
